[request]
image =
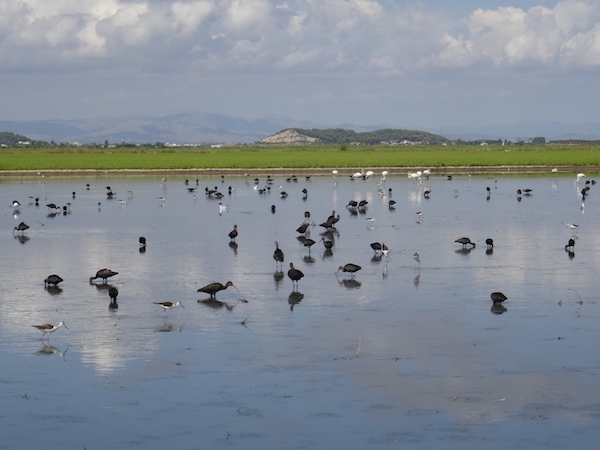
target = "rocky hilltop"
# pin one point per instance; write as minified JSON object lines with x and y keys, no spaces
{"x":290,"y":136}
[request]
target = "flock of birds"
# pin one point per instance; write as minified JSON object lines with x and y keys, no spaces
{"x":294,"y":274}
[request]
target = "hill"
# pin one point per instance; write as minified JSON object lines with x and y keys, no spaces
{"x":390,"y":136}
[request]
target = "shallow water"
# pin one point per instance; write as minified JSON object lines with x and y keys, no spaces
{"x":436,"y":367}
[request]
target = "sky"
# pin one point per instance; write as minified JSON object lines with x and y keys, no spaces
{"x":407,"y":64}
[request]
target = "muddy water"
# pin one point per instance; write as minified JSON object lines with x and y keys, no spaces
{"x":405,"y":354}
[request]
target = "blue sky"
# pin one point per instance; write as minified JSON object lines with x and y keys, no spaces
{"x":409,"y":64}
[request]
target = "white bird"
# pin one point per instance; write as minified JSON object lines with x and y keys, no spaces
{"x":357,"y":175}
{"x":573,"y":227}
{"x":579,"y":178}
{"x":222,"y":208}
{"x":417,"y":258}
{"x":368,"y":174}
{"x":383,"y":175}
{"x":16,"y":204}
{"x":427,"y":172}
{"x":334,"y":172}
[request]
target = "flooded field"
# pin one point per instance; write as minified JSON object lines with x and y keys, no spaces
{"x":404,"y":354}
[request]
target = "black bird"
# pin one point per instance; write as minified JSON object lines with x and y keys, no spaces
{"x":465,"y":241}
{"x":570,"y":245}
{"x":21,"y":227}
{"x":376,"y":246}
{"x":308,"y":243}
{"x":498,"y":297}
{"x":327,"y":244}
{"x":489,"y":242}
{"x":350,"y":268}
{"x":52,"y":280}
{"x":278,"y":254}
{"x":112,"y":293}
{"x":352,"y":204}
{"x":233,"y":233}
{"x":142,"y":241}
{"x":213,"y":288}
{"x":302,"y":228}
{"x":294,"y":275}
{"x":104,"y":274}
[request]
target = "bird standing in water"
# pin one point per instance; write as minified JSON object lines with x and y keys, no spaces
{"x":47,"y":328}
{"x":350,"y":268}
{"x":52,"y":280}
{"x":104,"y":274}
{"x":213,"y":288}
{"x":233,"y":233}
{"x":167,"y":306}
{"x":295,"y":275}
{"x":278,"y":255}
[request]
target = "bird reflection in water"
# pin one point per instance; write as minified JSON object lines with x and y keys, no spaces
{"x":464,"y":251}
{"x":498,"y":308}
{"x":278,"y":276}
{"x":22,"y":238}
{"x":169,"y":326}
{"x":350,"y":283}
{"x":53,"y":290}
{"x":218,"y":304}
{"x":327,"y":253}
{"x":417,"y":279}
{"x":48,"y":350}
{"x":308,"y":259}
{"x":233,"y":246}
{"x":295,"y":298}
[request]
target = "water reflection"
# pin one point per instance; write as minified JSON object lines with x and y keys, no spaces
{"x":48,"y":350}
{"x":53,"y":290}
{"x":294,"y":298}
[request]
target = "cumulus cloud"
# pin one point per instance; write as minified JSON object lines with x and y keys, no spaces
{"x":509,"y":36}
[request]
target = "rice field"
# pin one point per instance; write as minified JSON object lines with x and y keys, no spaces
{"x":309,"y":157}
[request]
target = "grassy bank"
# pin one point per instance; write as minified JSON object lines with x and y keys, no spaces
{"x":340,"y":157}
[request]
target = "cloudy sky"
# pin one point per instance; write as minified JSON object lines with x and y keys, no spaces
{"x":404,"y":63}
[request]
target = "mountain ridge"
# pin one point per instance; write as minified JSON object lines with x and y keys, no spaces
{"x":197,"y":128}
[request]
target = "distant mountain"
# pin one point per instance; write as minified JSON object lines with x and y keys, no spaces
{"x":185,"y":128}
{"x":206,"y":128}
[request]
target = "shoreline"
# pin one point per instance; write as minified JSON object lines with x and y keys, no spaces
{"x":449,"y":170}
{"x":440,"y":171}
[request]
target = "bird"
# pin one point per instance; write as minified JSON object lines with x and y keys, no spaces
{"x":570,"y":244}
{"x":376,"y":246}
{"x":295,"y":275}
{"x":104,"y":274}
{"x":213,"y":288}
{"x":222,"y":208}
{"x":168,"y":305}
{"x":334,"y":172}
{"x":47,"y":328}
{"x":53,"y":280}
{"x":21,"y":227}
{"x":573,"y":227}
{"x":417,"y":259}
{"x":465,"y":241}
{"x":233,"y":233}
{"x":278,"y":254}
{"x":350,"y":268}
{"x":112,"y":293}
{"x":579,"y":177}
{"x":498,"y":297}
{"x":489,"y":242}
{"x":308,"y":242}
{"x":327,"y":243}
{"x":16,"y":204}
{"x":302,"y":228}
{"x":142,"y":241}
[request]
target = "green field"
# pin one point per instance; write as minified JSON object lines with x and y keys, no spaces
{"x":339,"y":157}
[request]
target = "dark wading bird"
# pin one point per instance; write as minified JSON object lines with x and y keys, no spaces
{"x":376,"y":246}
{"x":233,"y":233}
{"x":142,"y":241}
{"x":21,"y":227}
{"x":112,"y":293}
{"x":489,"y":242}
{"x":497,"y":297}
{"x":350,"y":268}
{"x":302,"y":228}
{"x":47,"y":328}
{"x":278,"y":254}
{"x":213,"y":288}
{"x":167,"y":306}
{"x":570,"y":245}
{"x":52,"y":280}
{"x":104,"y":274}
{"x":465,"y":241}
{"x":294,"y":275}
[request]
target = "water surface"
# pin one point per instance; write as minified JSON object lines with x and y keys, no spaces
{"x":436,"y":366}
